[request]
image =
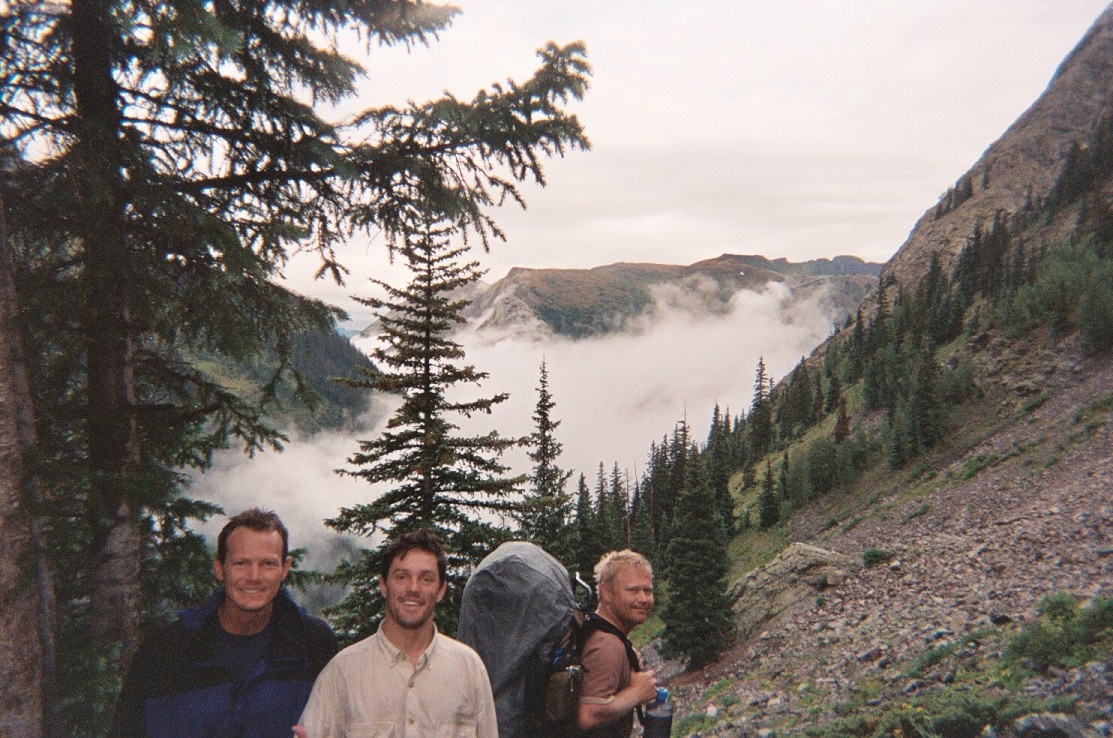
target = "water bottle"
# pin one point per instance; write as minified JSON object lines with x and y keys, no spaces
{"x":658,"y":716}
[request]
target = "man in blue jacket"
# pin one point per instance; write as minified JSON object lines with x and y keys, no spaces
{"x":241,"y":665}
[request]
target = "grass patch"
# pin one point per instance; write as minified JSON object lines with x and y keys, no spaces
{"x":930,"y":658}
{"x":944,"y":714}
{"x":922,"y":472}
{"x":754,"y":548}
{"x":1019,"y":449}
{"x":652,"y":628}
{"x":873,"y":556}
{"x":1101,"y":406}
{"x":852,"y":522}
{"x":1036,"y":402}
{"x":987,"y":691}
{"x":1066,"y":636}
{"x":1087,"y":432}
{"x":919,"y":512}
{"x":692,"y":723}
{"x":715,"y":689}
{"x":975,"y":464}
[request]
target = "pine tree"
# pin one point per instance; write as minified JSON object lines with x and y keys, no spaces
{"x":641,"y":533}
{"x":834,"y":394}
{"x":620,"y":509}
{"x":739,"y":449}
{"x":760,"y":420}
{"x":925,"y":412}
{"x":585,"y":534}
{"x":797,"y":406}
{"x":717,"y":460}
{"x":877,"y":334}
{"x":427,"y":475}
{"x":547,"y":509}
{"x":698,"y":622}
{"x":858,"y":348}
{"x":676,"y":463}
{"x":783,"y":478}
{"x":842,"y":423}
{"x":819,"y":401}
{"x":655,"y":488}
{"x":769,"y":507}
{"x":604,"y":515}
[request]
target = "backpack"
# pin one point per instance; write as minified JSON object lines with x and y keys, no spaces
{"x":519,"y":614}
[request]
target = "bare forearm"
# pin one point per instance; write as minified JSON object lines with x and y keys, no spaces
{"x":593,"y":714}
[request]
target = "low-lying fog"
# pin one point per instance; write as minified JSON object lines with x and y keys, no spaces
{"x":614,"y":395}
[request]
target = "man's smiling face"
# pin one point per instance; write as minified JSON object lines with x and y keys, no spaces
{"x":252,"y":570}
{"x":412,"y":589}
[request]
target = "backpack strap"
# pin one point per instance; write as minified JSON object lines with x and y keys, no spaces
{"x":597,"y":622}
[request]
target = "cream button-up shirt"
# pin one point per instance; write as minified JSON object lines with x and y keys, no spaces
{"x":371,"y":690}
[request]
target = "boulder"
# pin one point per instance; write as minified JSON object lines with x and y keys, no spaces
{"x":793,"y":579}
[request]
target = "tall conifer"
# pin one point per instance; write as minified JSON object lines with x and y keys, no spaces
{"x":717,"y":460}
{"x":585,"y":533}
{"x":759,"y":423}
{"x":769,"y":507}
{"x":427,"y":474}
{"x":547,"y":508}
{"x":182,"y":160}
{"x":698,"y":621}
{"x":620,"y":509}
{"x":641,"y":534}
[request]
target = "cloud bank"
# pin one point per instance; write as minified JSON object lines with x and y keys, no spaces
{"x":614,"y":395}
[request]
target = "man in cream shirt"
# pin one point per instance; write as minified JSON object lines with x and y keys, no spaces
{"x":407,"y":680}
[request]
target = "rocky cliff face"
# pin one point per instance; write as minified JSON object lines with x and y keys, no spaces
{"x":1024,"y":163}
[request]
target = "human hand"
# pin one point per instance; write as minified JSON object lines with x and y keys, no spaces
{"x":644,"y":685}
{"x":300,"y":732}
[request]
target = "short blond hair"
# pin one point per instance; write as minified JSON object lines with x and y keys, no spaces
{"x":608,"y":567}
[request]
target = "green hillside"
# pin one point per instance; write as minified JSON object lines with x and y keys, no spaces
{"x":308,"y":395}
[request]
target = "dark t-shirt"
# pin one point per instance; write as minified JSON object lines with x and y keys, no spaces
{"x":239,"y":654}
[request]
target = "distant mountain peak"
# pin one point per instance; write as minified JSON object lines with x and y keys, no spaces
{"x":602,"y":299}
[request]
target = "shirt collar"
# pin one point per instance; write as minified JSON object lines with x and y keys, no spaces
{"x":396,"y":656}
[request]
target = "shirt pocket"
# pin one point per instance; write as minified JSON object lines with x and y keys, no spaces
{"x":465,"y":725}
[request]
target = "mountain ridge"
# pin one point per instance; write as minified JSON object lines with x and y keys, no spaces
{"x":602,"y":299}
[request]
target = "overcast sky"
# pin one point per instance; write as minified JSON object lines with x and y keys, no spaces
{"x":795,"y":129}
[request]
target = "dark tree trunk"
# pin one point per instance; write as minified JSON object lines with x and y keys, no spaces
{"x":26,"y":622}
{"x":114,"y":450}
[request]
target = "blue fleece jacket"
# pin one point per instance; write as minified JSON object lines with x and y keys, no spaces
{"x":177,"y":688}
